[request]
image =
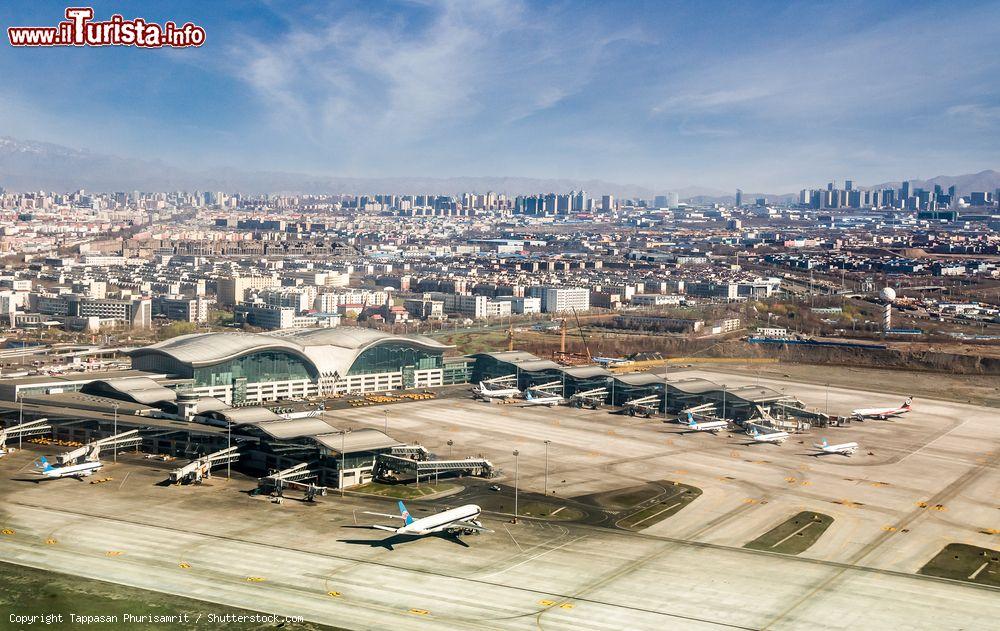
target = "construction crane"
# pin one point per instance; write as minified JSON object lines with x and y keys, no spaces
{"x":201,"y":468}
{"x":510,"y":336}
{"x":583,"y":336}
{"x":93,"y":449}
{"x":294,"y":478}
{"x":31,"y":428}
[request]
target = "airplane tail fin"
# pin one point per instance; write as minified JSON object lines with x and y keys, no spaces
{"x":43,"y":464}
{"x":527,"y":395}
{"x":907,"y":403}
{"x":690,"y":419}
{"x":405,"y":513}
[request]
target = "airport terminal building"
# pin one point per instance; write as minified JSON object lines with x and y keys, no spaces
{"x":240,"y":368}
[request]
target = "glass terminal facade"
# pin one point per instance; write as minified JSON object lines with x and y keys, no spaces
{"x":393,"y":357}
{"x":266,"y":366}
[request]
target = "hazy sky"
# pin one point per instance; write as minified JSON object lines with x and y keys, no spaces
{"x":763,"y":95}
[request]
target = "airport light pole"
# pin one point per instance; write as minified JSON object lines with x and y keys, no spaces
{"x":386,"y":412}
{"x":115,"y":445}
{"x":229,"y":443}
{"x":664,"y":392}
{"x":451,"y":451}
{"x":20,"y":418}
{"x":828,"y":402}
{"x":545,"y":484}
{"x":516,"y":454}
{"x":343,"y":458}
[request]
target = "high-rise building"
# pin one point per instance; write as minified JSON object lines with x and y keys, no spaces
{"x":848,"y":185}
{"x":608,"y":202}
{"x":739,"y":197}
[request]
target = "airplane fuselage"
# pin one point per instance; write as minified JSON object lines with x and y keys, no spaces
{"x":440,"y":522}
{"x":72,"y":471}
{"x":845,"y":449}
{"x":776,"y":437}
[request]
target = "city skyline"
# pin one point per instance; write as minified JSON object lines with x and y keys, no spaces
{"x":661,"y":97}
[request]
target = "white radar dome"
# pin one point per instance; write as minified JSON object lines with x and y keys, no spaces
{"x":888,"y":294}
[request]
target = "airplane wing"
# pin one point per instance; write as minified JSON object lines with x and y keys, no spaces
{"x":383,"y":515}
{"x":385,"y":528}
{"x":471,"y":526}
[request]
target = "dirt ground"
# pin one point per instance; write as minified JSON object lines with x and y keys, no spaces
{"x":974,"y":389}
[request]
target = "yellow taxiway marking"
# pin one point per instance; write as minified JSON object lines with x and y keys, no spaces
{"x":420,"y":612}
{"x":114,"y":553}
{"x":255,"y":579}
{"x":334,"y":594}
{"x":566,"y":606}
{"x":940,"y":507}
{"x":790,"y":480}
{"x":680,"y":471}
{"x":51,"y":542}
{"x":922,"y":504}
{"x":806,"y":482}
{"x":546,"y":603}
{"x":7,"y":531}
{"x":889,"y":528}
{"x":184,"y":566}
{"x":749,"y":500}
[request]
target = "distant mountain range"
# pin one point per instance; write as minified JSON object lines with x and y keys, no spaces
{"x":34,"y":166}
{"x":37,"y":166}
{"x":988,"y":180}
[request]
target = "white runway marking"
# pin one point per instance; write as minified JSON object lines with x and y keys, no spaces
{"x":537,"y":556}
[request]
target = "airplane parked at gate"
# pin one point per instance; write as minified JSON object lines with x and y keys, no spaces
{"x":773,"y":437}
{"x":455,"y":521}
{"x":882,"y":413}
{"x":705,"y":426}
{"x":844,"y":449}
{"x":550,"y":400}
{"x":484,"y":392}
{"x":82,"y":470}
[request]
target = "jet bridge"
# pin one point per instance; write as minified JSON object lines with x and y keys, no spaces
{"x":293,"y":478}
{"x":507,"y":381}
{"x":31,"y":428}
{"x":387,"y":464}
{"x":93,"y":449}
{"x":644,"y":406}
{"x":592,"y":399}
{"x":201,"y":468}
{"x":414,"y":452}
{"x":547,"y":387}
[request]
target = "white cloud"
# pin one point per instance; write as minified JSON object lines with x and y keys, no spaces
{"x":353,"y":79}
{"x":976,"y":114}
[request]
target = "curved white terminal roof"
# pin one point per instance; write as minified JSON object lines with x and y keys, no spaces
{"x":330,"y":351}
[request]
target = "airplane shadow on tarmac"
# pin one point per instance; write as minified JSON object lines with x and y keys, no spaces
{"x":393,"y":540}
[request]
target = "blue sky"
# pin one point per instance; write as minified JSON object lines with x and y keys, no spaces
{"x":763,"y":95}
